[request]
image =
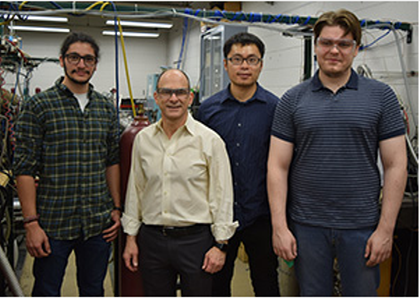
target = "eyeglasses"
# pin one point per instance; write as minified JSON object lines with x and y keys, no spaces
{"x":165,"y":94}
{"x":238,"y":60}
{"x":344,"y":45}
{"x":75,"y":58}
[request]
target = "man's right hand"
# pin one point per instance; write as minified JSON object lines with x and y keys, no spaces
{"x":284,"y":244}
{"x":37,"y":241}
{"x":131,"y":253}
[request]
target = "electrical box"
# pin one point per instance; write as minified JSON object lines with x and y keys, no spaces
{"x":213,"y":75}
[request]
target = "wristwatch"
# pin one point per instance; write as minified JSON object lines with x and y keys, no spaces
{"x":221,"y":247}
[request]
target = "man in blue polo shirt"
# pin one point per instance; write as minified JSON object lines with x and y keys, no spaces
{"x":323,"y":165}
{"x":242,"y":115}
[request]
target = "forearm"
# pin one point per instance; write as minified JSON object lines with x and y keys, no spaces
{"x":394,"y":160}
{"x":277,"y":196}
{"x":392,"y":194}
{"x":113,"y":181}
{"x":27,"y":194}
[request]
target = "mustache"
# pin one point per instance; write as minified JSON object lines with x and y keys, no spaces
{"x":76,"y":71}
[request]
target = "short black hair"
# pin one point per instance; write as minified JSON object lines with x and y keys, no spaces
{"x":161,"y":74}
{"x":243,"y":38}
{"x":82,"y":37}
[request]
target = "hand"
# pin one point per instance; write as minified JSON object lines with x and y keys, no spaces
{"x":37,"y":241}
{"x":131,"y":253}
{"x":284,"y":244}
{"x":111,"y":233}
{"x":378,"y":247}
{"x":214,"y":260}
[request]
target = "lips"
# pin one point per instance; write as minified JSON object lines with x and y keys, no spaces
{"x":244,"y":76}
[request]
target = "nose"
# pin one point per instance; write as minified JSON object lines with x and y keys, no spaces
{"x":80,"y":61}
{"x":173,"y":97}
{"x":243,"y":63}
{"x":335,"y":48}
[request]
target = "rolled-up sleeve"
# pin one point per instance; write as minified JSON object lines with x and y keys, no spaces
{"x":221,"y":192}
{"x":131,"y":219}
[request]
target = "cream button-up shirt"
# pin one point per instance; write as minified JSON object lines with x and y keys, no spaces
{"x":180,"y":181}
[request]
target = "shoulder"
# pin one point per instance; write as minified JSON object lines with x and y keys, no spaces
{"x":267,"y":95}
{"x":366,"y":83}
{"x":214,"y":99}
{"x":206,"y":133}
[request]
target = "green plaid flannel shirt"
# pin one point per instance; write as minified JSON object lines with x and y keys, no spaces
{"x":69,"y":150}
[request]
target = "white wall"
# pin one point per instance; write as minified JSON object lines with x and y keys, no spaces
{"x":284,"y":59}
{"x":283,"y":62}
{"x":144,"y":56}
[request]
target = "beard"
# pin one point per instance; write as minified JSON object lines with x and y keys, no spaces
{"x":72,"y":79}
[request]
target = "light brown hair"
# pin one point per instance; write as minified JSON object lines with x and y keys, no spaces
{"x":343,"y":18}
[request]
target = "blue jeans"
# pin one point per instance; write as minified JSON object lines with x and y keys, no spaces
{"x":92,"y":258}
{"x":317,"y":249}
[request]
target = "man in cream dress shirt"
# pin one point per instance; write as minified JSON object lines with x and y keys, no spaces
{"x":179,"y":198}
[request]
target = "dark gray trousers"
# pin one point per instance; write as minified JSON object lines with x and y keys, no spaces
{"x":163,"y":258}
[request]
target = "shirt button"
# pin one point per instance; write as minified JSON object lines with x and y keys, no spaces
{"x":238,"y":144}
{"x":239,"y":125}
{"x":237,"y":164}
{"x":236,"y":203}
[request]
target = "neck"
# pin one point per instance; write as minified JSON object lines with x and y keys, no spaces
{"x":76,"y":88}
{"x":171,"y":126}
{"x":334,"y":83}
{"x":243,"y":93}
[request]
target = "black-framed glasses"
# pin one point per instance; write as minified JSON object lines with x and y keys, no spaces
{"x":75,"y":58}
{"x":345,"y":45}
{"x":165,"y":93}
{"x":239,"y":60}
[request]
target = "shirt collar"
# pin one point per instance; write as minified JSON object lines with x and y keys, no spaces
{"x":189,"y":126}
{"x":352,"y":83}
{"x":258,"y":95}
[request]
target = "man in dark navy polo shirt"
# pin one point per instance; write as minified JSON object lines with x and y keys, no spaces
{"x":323,"y":164}
{"x":242,"y":115}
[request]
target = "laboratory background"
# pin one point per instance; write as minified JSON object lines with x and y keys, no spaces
{"x":138,"y":40}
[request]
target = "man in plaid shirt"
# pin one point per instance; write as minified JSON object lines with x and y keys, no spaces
{"x":68,"y":136}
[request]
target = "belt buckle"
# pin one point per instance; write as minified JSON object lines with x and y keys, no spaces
{"x":164,"y":228}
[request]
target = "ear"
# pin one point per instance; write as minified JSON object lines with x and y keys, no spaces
{"x":356,"y":51}
{"x":225,"y":63}
{"x":61,"y":61}
{"x":191,"y":99}
{"x":156,"y":98}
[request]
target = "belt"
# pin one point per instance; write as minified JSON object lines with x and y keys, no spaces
{"x":175,"y":231}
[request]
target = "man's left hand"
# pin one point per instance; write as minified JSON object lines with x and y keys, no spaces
{"x":111,"y":233}
{"x":214,"y":260}
{"x":378,"y":247}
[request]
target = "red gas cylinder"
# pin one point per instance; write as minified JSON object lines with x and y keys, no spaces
{"x":129,"y":283}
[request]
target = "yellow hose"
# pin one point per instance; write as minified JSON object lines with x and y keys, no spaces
{"x":126,"y":68}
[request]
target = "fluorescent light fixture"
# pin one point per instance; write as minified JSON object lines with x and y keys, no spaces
{"x":142,"y":24}
{"x":132,"y":34}
{"x":43,"y":29}
{"x":48,"y":19}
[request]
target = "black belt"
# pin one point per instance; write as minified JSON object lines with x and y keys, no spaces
{"x":175,"y":231}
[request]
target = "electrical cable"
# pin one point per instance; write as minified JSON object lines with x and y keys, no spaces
{"x":404,"y":71}
{"x":184,"y":34}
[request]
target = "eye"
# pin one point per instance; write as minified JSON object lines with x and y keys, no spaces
{"x":345,"y":44}
{"x":181,"y":92}
{"x":237,"y":59}
{"x":252,"y":60}
{"x":90,"y":59}
{"x":73,"y":57}
{"x":326,"y":43}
